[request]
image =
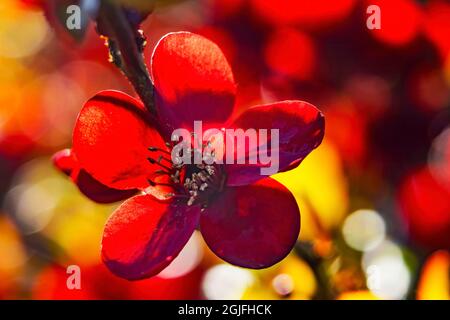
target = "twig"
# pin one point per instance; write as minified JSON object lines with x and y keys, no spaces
{"x":126,"y":50}
{"x":305,"y":251}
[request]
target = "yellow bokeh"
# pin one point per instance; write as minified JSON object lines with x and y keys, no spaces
{"x":22,"y":32}
{"x":12,"y":254}
{"x":358,"y":295}
{"x":434,"y":279}
{"x":301,"y":279}
{"x":72,"y":221}
{"x":320,"y":188}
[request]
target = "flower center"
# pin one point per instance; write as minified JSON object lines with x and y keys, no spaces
{"x":203,"y":183}
{"x":197,"y":183}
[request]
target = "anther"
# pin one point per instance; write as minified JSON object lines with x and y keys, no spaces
{"x":153,"y":183}
{"x":210,"y":170}
{"x":153,"y":161}
{"x":202,"y":176}
{"x":161,"y":172}
{"x":166,"y":159}
{"x":154,"y":149}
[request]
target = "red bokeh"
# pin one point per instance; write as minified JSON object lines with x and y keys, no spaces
{"x":424,"y":203}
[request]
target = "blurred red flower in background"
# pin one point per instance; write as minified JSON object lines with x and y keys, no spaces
{"x":99,"y":283}
{"x":114,"y":136}
{"x":395,"y":30}
{"x":290,"y":52}
{"x":437,"y":25}
{"x":424,"y":202}
{"x":33,"y":3}
{"x":311,"y":14}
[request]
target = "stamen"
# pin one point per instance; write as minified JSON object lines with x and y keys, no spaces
{"x":154,"y":149}
{"x":153,"y":183}
{"x":210,"y":170}
{"x":166,"y":159}
{"x":175,"y":177}
{"x":158,"y":162}
{"x":204,"y":181}
{"x":162,"y":172}
{"x":202,"y":176}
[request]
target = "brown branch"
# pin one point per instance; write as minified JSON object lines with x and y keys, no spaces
{"x":305,"y":251}
{"x":127,"y":53}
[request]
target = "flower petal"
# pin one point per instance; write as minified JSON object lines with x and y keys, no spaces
{"x":252,"y":226}
{"x":144,"y":235}
{"x":111,"y":137}
{"x":301,"y":129}
{"x":66,"y":162}
{"x":98,"y":192}
{"x":193,"y":80}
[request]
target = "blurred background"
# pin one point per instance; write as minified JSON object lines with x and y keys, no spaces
{"x":374,"y":197}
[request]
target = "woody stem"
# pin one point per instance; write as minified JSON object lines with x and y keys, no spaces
{"x":125,"y":51}
{"x":304,"y":250}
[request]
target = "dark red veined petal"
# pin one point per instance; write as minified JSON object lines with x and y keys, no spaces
{"x":144,"y":235}
{"x":252,"y":226}
{"x":193,"y":81}
{"x":301,"y":129}
{"x":66,"y":162}
{"x":111,"y":138}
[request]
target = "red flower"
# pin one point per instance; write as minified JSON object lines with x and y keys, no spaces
{"x":246,"y":219}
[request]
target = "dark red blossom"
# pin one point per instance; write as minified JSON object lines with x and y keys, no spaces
{"x":247,"y":219}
